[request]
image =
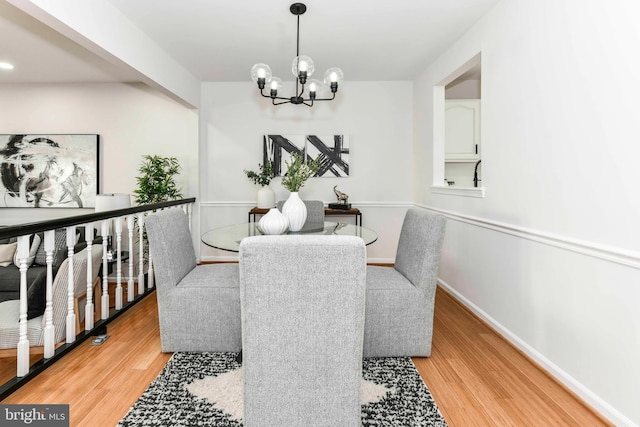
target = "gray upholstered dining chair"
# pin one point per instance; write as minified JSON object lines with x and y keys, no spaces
{"x":198,"y":305}
{"x":302,"y":300}
{"x":315,"y":214}
{"x":400,"y":299}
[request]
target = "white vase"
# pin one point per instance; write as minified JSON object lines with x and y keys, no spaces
{"x":295,"y":210}
{"x":274,"y":222}
{"x":266,"y":197}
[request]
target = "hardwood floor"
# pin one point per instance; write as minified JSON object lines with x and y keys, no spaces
{"x":479,"y":379}
{"x":476,"y":378}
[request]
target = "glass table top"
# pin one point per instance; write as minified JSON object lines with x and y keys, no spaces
{"x":228,"y":238}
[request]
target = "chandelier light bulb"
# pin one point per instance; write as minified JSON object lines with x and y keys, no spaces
{"x":302,"y":64}
{"x":276,"y":83}
{"x":261,"y":71}
{"x":333,"y":75}
{"x":315,"y":85}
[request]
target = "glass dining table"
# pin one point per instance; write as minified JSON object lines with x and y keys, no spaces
{"x":228,"y":238}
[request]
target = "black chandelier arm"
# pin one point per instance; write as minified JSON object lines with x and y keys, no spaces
{"x":273,"y":97}
{"x":284,"y":101}
{"x":301,"y":89}
{"x":299,"y":100}
{"x":324,"y":99}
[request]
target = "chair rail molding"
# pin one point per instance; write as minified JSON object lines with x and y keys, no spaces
{"x":459,"y":191}
{"x":604,"y":252}
{"x":252,"y":203}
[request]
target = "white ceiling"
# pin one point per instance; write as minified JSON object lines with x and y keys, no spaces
{"x":219,"y":40}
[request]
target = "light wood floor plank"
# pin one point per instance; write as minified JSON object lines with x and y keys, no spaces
{"x":476,"y":377}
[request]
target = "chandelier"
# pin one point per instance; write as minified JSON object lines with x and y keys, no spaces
{"x":302,"y":68}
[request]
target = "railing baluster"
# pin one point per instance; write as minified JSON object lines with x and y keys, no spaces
{"x":150,"y":272}
{"x":130,"y":284}
{"x":118,"y":231}
{"x":140,"y":253}
{"x":49,"y":327}
{"x":104,"y":304}
{"x":23,"y":342}
{"x":150,"y":269}
{"x":71,"y":316}
{"x":88,"y":310}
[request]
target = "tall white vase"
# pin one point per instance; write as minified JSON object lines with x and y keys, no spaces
{"x":266,"y":197}
{"x":295,"y":210}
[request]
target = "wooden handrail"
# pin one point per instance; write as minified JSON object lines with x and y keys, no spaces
{"x":39,"y":226}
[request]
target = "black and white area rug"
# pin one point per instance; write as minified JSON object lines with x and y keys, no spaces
{"x":205,"y":389}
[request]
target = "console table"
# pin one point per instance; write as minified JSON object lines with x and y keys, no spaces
{"x":327,"y":212}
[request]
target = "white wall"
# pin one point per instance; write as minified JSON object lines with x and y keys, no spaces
{"x":550,"y":255}
{"x":377,"y":118}
{"x":132,"y":120}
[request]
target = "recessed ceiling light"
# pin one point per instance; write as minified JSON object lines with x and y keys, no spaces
{"x":6,"y":66}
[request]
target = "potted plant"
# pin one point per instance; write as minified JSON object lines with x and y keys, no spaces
{"x":266,"y":195}
{"x":298,"y":171}
{"x":156,"y":182}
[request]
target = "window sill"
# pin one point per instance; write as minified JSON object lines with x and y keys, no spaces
{"x":459,"y":191}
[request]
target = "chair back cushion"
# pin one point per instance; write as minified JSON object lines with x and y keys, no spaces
{"x":418,"y":255}
{"x":302,"y":304}
{"x":170,"y":246}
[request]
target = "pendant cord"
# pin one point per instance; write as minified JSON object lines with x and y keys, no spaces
{"x":298,"y":52}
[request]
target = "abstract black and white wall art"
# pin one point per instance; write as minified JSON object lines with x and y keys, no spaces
{"x":49,"y":171}
{"x":334,"y":148}
{"x":278,"y":149}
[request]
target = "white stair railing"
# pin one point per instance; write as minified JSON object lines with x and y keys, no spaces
{"x":141,"y":216}
{"x":48,"y":338}
{"x":49,"y":327}
{"x":71,"y":316}
{"x":130,"y":282}
{"x":118,"y":231}
{"x":104,"y":304}
{"x":89,"y":309}
{"x":23,"y":341}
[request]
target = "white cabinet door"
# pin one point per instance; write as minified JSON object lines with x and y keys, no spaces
{"x":462,"y":130}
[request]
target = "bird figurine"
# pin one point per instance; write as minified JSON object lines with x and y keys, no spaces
{"x":342,"y":197}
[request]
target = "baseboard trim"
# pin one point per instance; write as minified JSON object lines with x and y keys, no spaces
{"x":588,"y":397}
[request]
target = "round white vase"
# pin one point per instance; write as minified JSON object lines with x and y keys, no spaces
{"x":295,"y":210}
{"x":274,"y":222}
{"x":266,"y":197}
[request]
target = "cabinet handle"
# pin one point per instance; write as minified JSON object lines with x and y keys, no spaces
{"x":476,"y":148}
